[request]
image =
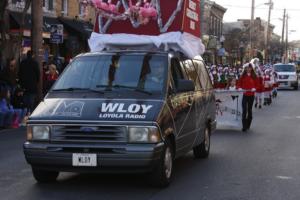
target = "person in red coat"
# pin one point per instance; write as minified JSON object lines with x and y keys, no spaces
{"x":51,"y":77}
{"x":247,"y":82}
{"x":259,"y":90}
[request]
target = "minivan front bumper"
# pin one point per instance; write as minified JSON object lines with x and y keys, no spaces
{"x":287,"y":83}
{"x":120,"y":158}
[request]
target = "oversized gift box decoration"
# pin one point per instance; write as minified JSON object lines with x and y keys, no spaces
{"x":147,"y":17}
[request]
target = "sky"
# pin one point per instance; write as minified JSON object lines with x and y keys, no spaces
{"x":241,"y":9}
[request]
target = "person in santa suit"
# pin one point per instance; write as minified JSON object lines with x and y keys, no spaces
{"x":275,"y":84}
{"x":259,"y":89}
{"x":247,"y":82}
{"x":216,"y":78}
{"x":268,"y":87}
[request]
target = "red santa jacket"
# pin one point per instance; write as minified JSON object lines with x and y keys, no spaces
{"x":247,"y":83}
{"x":268,"y":86}
{"x":260,"y":85}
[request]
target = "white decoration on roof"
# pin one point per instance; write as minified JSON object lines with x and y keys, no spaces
{"x":186,"y":43}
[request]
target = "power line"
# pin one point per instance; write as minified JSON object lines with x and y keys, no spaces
{"x":248,"y":7}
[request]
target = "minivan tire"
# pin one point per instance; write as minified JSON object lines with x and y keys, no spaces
{"x":296,"y":87}
{"x":43,"y":176}
{"x":202,"y":150}
{"x":162,"y":174}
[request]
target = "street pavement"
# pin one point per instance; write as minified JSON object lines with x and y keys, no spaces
{"x":261,"y":164}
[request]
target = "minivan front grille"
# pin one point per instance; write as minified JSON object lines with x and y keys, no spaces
{"x":88,"y":134}
{"x":283,"y":76}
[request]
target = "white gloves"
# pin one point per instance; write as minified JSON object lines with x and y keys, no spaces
{"x":253,"y":90}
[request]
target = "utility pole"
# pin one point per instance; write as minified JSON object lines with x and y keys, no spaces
{"x":268,"y":30}
{"x":282,"y":36}
{"x":37,"y":37}
{"x":287,"y":39}
{"x":251,"y":27}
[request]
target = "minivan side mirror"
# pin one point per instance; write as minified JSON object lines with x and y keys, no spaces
{"x":185,"y":86}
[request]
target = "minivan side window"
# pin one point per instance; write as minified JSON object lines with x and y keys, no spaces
{"x":176,"y":72}
{"x":203,"y":74}
{"x":192,"y":73}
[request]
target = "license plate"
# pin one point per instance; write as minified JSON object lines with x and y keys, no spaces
{"x":84,"y":160}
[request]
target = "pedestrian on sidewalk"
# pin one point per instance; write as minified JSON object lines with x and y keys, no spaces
{"x":9,"y":116}
{"x":51,"y":77}
{"x":9,"y":75}
{"x":29,"y":75}
{"x":247,"y":82}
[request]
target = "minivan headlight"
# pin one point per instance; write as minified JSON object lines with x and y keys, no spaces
{"x":143,"y":135}
{"x":38,"y":132}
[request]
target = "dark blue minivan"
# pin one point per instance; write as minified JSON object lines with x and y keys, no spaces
{"x":122,"y":111}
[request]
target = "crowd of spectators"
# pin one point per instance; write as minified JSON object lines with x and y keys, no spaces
{"x":19,"y":88}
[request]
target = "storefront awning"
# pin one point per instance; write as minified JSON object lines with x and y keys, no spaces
{"x":16,"y":21}
{"x":79,"y":27}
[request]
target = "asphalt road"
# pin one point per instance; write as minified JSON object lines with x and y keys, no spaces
{"x":261,"y":164}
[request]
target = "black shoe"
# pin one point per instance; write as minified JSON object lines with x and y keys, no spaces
{"x":244,"y":129}
{"x":259,"y":106}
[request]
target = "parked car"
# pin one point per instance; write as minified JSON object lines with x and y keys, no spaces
{"x":287,"y":75}
{"x":122,"y":111}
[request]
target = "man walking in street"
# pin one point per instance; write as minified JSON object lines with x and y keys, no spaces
{"x":29,"y":75}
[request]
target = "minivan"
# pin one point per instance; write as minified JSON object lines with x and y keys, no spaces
{"x":286,"y":75}
{"x":122,"y":111}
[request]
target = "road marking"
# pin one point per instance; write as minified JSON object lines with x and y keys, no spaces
{"x":284,"y":177}
{"x":291,"y":117}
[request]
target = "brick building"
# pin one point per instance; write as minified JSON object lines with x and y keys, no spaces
{"x":212,"y":29}
{"x":238,"y":45}
{"x":69,"y":13}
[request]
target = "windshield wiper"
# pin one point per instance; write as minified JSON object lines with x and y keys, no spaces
{"x":134,"y":88}
{"x":71,"y":89}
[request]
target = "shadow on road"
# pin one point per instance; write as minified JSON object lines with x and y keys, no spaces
{"x":120,"y":186}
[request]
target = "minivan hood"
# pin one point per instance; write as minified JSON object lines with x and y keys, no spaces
{"x":97,"y":110}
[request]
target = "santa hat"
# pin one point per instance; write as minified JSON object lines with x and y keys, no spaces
{"x":247,"y":65}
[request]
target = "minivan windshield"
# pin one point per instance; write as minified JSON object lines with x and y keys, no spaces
{"x":136,"y":72}
{"x":284,"y":68}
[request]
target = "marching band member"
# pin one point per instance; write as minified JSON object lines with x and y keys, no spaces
{"x":268,"y":87}
{"x":259,"y":89}
{"x":247,"y":82}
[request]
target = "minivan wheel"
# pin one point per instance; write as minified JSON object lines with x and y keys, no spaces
{"x":162,"y":173}
{"x":296,"y":87}
{"x":202,"y":150}
{"x":43,"y":176}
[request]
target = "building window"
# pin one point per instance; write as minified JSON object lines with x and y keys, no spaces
{"x":48,"y":5}
{"x":81,"y":10}
{"x":215,"y":26}
{"x":64,"y":7}
{"x":211,"y":24}
{"x":19,"y":3}
{"x":218,"y":27}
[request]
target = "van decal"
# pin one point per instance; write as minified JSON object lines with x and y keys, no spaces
{"x":121,"y":110}
{"x":69,"y":109}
